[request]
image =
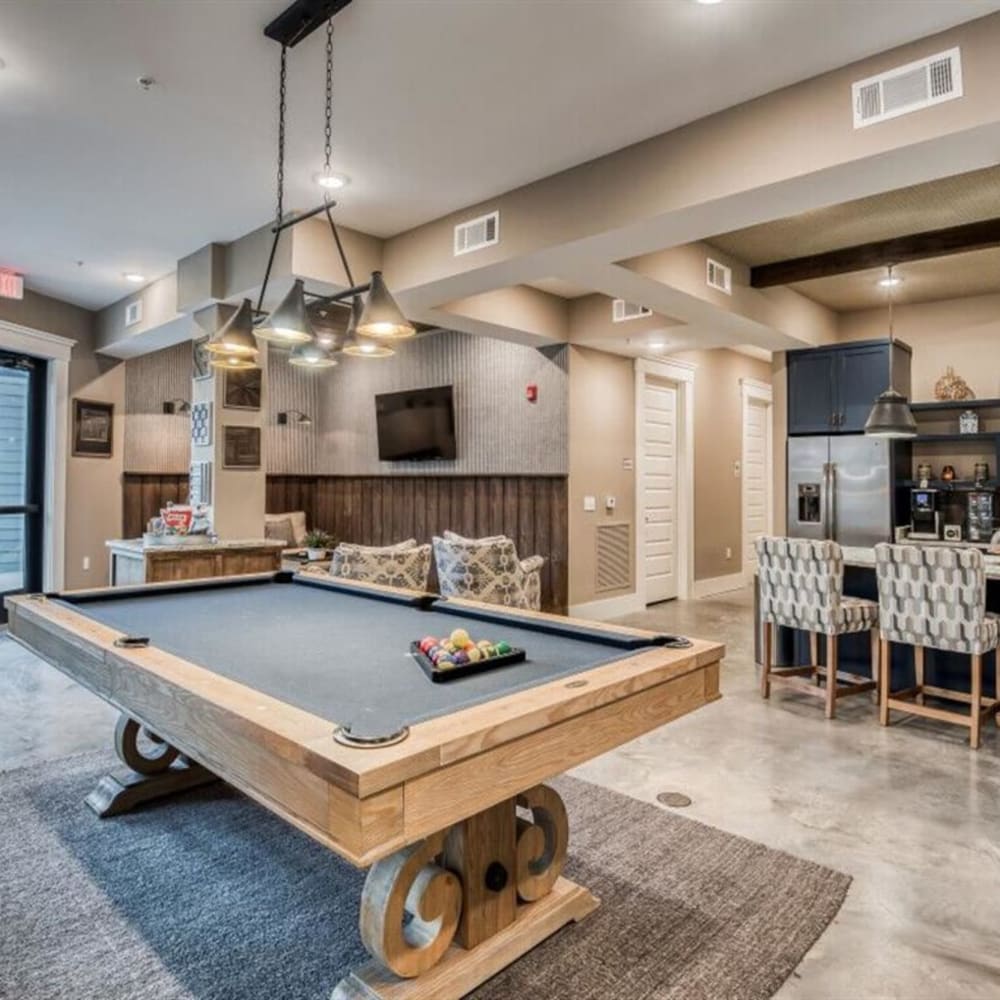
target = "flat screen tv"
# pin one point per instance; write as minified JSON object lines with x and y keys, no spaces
{"x":416,"y":426}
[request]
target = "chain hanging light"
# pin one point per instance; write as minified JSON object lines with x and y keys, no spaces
{"x":891,"y":416}
{"x":375,"y":316}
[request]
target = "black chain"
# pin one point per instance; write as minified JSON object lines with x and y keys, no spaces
{"x":328,"y":129}
{"x":281,"y":132}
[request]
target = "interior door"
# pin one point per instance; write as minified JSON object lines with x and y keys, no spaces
{"x":756,"y":478}
{"x":659,"y":489}
{"x":22,"y":472}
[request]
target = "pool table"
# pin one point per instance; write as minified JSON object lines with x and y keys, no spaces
{"x":300,"y":690}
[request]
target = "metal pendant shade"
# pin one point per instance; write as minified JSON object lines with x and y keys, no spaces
{"x":361,"y":347}
{"x":311,"y":355}
{"x":381,"y":317}
{"x":289,"y":323}
{"x":891,"y":417}
{"x":235,"y":339}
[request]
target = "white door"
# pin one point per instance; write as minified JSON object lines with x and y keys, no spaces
{"x":756,"y":477}
{"x":659,"y":489}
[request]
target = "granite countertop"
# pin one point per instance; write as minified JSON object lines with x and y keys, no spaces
{"x":137,"y":546}
{"x":857,"y":556}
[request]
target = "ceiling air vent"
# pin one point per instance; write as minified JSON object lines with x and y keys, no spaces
{"x":908,"y":88}
{"x":622,"y":311}
{"x":477,"y":233}
{"x":719,"y":276}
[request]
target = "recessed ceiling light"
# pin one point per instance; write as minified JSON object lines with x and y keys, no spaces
{"x":708,"y":3}
{"x":890,"y":282}
{"x":134,"y":277}
{"x":656,"y":345}
{"x":332,"y":181}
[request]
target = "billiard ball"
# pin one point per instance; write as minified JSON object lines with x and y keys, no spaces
{"x":461,"y":658}
{"x":503,"y":648}
{"x":427,"y":643}
{"x":460,"y":638}
{"x":474,"y":654}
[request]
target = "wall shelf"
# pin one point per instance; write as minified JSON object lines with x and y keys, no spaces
{"x":952,"y":485}
{"x":955,"y":404}
{"x":981,"y":436}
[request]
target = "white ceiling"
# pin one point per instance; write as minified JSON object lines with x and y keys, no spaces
{"x":439,"y":104}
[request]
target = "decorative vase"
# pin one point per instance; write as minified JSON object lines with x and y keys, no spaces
{"x":315,"y":555}
{"x":952,"y":386}
{"x":968,"y":422}
{"x":924,"y":473}
{"x":948,"y":473}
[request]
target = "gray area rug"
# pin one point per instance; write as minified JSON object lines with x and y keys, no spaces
{"x":209,"y":897}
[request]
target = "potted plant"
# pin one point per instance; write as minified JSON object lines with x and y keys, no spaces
{"x":318,"y":543}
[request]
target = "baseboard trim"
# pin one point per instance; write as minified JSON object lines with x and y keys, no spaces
{"x":718,"y":585}
{"x":610,"y":607}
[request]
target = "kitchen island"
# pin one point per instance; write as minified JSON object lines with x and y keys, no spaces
{"x":942,"y":669}
{"x":133,"y":561}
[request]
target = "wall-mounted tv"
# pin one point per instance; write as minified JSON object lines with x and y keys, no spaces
{"x":416,"y":426}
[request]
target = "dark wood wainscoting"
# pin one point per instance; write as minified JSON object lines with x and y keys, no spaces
{"x":380,"y":510}
{"x":144,"y":493}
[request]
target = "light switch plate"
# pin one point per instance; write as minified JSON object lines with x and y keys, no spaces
{"x":590,"y":503}
{"x":610,"y":503}
{"x":627,"y":464}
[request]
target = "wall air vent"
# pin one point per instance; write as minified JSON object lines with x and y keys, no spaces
{"x":133,"y":312}
{"x":614,"y":566}
{"x":719,"y":276}
{"x":477,"y":233}
{"x":908,"y":88}
{"x":622,"y":311}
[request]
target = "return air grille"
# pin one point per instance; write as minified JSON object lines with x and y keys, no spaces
{"x":477,"y":233}
{"x":613,"y":556}
{"x":908,"y":88}
{"x":718,"y":276}
{"x":622,"y":311}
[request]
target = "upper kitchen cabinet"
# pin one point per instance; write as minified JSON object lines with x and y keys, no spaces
{"x":831,"y":389}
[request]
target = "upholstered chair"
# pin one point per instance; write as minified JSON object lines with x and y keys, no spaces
{"x":802,"y":587}
{"x":487,"y":569}
{"x":405,"y":564}
{"x":934,"y":597}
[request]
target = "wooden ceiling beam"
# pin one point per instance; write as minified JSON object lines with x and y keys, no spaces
{"x":899,"y":250}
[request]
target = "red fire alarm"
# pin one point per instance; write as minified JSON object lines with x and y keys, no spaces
{"x":531,"y":392}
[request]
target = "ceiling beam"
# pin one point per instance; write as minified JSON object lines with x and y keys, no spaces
{"x":899,"y":250}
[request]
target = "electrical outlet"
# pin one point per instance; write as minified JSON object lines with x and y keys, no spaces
{"x":729,"y":552}
{"x":86,"y":563}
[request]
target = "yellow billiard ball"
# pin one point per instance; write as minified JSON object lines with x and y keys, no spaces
{"x":460,"y":638}
{"x":474,"y":654}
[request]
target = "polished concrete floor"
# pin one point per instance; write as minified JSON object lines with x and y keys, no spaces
{"x":909,"y":811}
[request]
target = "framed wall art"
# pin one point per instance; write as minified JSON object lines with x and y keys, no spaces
{"x":93,"y":428}
{"x":243,"y":389}
{"x":200,"y":359}
{"x":241,"y":447}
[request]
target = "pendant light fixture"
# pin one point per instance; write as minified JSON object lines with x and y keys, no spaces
{"x":375,"y":313}
{"x":891,"y":416}
{"x":381,"y":317}
{"x":356,"y":346}
{"x":233,"y":345}
{"x":289,"y":323}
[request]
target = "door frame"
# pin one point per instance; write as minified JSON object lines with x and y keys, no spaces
{"x":56,"y":351}
{"x":753,"y":390}
{"x":681,"y":374}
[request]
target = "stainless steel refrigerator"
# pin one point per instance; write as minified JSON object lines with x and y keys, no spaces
{"x":840,"y":488}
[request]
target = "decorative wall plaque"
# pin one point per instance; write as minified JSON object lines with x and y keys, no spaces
{"x":201,"y":423}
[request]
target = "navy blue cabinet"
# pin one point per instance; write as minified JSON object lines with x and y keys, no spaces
{"x":831,"y":389}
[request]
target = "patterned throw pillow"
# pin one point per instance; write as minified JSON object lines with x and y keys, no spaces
{"x":481,"y":571}
{"x":279,"y":530}
{"x":392,"y":566}
{"x":453,"y":536}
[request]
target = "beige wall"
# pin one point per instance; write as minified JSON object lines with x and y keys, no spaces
{"x":601,"y":438}
{"x":93,"y":485}
{"x":963,"y":333}
{"x":718,"y":445}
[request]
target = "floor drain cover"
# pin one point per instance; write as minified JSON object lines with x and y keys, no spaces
{"x":674,"y":799}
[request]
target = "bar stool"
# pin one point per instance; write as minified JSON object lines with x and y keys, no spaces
{"x":802,"y":587}
{"x":935,"y":598}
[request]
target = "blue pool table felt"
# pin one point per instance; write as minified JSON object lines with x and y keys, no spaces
{"x":339,"y":655}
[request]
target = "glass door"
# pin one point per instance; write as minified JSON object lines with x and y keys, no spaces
{"x":22,"y":472}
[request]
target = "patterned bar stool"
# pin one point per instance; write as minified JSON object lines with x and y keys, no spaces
{"x":802,"y":587}
{"x":936,"y":598}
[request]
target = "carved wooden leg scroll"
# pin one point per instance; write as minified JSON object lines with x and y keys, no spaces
{"x":155,"y":769}
{"x":442,"y":916}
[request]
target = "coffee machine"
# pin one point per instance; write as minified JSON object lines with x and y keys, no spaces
{"x":981,"y":506}
{"x":925,"y":514}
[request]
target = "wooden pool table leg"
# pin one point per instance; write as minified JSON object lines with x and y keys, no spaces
{"x":152,"y":774}
{"x":480,"y":896}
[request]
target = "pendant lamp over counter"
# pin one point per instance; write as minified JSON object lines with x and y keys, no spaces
{"x":891,"y":416}
{"x":357,"y":346}
{"x":381,"y":317}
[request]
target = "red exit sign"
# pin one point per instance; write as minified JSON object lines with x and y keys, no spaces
{"x":11,"y":285}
